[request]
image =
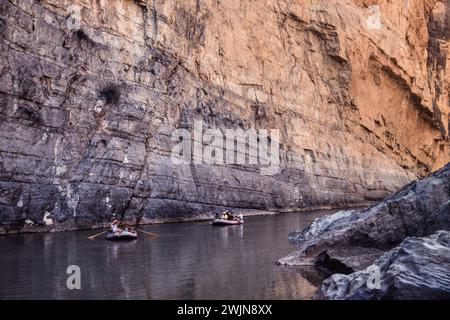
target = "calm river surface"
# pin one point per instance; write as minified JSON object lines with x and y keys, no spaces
{"x":186,"y":261}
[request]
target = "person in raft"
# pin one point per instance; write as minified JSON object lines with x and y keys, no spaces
{"x":227,"y":215}
{"x":115,"y":225}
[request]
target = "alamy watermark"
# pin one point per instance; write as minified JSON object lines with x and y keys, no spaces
{"x":374,"y":279}
{"x":74,"y":19}
{"x":373,"y":22}
{"x":74,"y":279}
{"x":231,"y":146}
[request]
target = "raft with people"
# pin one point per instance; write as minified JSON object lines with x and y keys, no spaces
{"x":119,"y":232}
{"x":227,"y":218}
{"x":122,"y":235}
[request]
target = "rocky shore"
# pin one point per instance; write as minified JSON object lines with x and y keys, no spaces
{"x":400,"y":241}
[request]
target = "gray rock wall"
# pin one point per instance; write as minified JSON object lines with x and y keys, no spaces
{"x":88,"y":106}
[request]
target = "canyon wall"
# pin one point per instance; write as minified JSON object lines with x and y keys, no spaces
{"x":91,"y":92}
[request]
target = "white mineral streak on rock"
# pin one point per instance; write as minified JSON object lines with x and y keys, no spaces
{"x":108,"y":204}
{"x":20,"y":202}
{"x":48,"y":221}
{"x":72,"y":200}
{"x":57,"y":150}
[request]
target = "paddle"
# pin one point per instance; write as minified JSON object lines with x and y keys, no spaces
{"x":152,"y":235}
{"x":96,"y":235}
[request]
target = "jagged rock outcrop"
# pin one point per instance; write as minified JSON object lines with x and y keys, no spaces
{"x":91,"y":91}
{"x":419,"y":268}
{"x":356,"y":238}
{"x":351,"y":244}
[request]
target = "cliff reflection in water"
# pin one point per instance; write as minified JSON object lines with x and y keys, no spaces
{"x":186,"y":260}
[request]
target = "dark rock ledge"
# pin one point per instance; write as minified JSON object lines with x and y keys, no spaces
{"x":419,"y":268}
{"x":352,"y":242}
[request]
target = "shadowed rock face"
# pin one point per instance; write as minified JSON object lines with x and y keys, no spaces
{"x":358,"y":90}
{"x":419,"y":268}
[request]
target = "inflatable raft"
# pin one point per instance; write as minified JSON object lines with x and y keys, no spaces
{"x":122,"y":235}
{"x":223,"y":222}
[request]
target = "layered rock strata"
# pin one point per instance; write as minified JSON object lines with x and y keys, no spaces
{"x":92,"y":91}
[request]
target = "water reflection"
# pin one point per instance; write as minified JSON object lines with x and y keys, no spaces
{"x":186,"y":261}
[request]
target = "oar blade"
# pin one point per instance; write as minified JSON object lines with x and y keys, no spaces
{"x":149,"y":234}
{"x":96,"y":235}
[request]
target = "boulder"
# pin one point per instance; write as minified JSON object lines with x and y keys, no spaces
{"x":419,"y":209}
{"x":419,"y":268}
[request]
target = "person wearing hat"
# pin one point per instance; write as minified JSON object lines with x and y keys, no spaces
{"x":115,"y":224}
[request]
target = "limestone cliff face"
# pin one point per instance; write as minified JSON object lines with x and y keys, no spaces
{"x":359,"y":90}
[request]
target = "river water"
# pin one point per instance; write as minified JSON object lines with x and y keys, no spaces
{"x":191,"y":260}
